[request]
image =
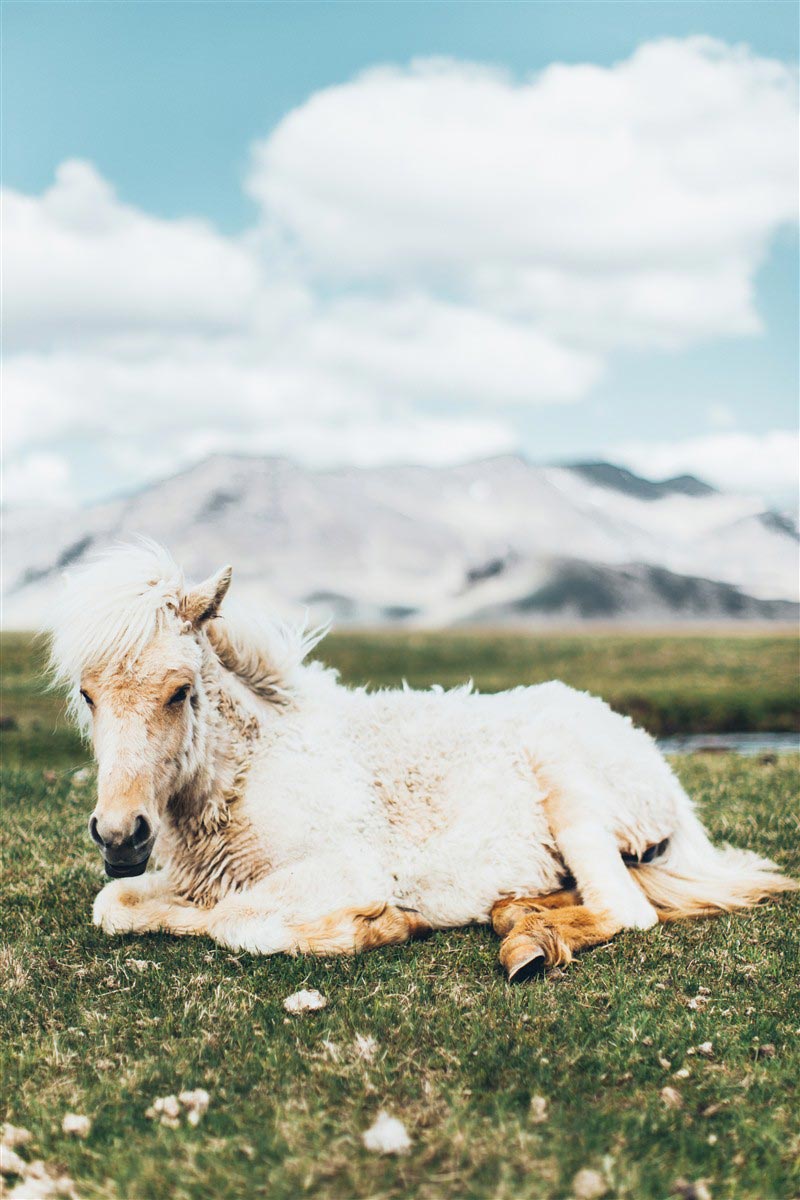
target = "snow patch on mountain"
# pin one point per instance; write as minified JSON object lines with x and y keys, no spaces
{"x":475,"y":542}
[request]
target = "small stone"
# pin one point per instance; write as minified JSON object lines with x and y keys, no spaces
{"x":664,"y":1063}
{"x":387,"y":1136}
{"x":538,"y":1110}
{"x":10,"y":1162}
{"x":671,"y":1097}
{"x":12,"y":1136}
{"x":196,"y":1104}
{"x":167,"y":1110}
{"x":304,"y":1001}
{"x":39,"y":1183}
{"x":766,"y":1051}
{"x":76,"y":1125}
{"x":682,"y":1073}
{"x":706,"y":1049}
{"x":589,"y":1185}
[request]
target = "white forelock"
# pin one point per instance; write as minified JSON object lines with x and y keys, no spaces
{"x":111,"y":607}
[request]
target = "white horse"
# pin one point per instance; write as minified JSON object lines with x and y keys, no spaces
{"x":288,"y":813}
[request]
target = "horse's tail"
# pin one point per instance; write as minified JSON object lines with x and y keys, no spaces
{"x":694,"y":877}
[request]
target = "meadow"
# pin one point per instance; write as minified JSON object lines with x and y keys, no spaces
{"x":506,"y":1091}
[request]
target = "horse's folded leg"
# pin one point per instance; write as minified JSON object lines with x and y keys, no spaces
{"x":548,"y":939}
{"x":351,"y":930}
{"x":505,"y":913}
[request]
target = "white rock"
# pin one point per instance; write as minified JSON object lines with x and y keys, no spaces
{"x":304,"y":1001}
{"x":13,"y":1136}
{"x":10,"y":1162}
{"x":167,"y":1110}
{"x":387,"y":1136}
{"x":671,"y":1097}
{"x":588,"y":1185}
{"x":196,"y":1104}
{"x":538,"y":1110}
{"x":77,"y":1125}
{"x":40,"y":1184}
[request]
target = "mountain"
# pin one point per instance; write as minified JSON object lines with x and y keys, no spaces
{"x":491,"y":541}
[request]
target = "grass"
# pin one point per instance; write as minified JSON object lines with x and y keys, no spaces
{"x":103,"y":1026}
{"x":668,"y":684}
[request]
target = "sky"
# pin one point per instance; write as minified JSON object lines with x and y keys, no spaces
{"x":379,"y":232}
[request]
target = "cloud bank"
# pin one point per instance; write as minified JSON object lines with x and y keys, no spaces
{"x":439,"y":248}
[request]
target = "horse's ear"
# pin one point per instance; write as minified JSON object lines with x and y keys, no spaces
{"x":202,"y":602}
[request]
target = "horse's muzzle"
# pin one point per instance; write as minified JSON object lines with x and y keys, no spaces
{"x":124,"y":870}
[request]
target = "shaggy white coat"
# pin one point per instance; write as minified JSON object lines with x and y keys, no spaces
{"x":441,"y":802}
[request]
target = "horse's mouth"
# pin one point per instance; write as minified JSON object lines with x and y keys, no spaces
{"x":123,"y":870}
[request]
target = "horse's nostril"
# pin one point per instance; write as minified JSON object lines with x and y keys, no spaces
{"x":93,"y":833}
{"x":141,"y":831}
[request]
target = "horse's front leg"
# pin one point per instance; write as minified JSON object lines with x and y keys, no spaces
{"x":299,"y":910}
{"x":133,"y":905}
{"x":147,"y":904}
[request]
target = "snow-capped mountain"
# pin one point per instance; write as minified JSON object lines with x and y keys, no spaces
{"x":491,"y":541}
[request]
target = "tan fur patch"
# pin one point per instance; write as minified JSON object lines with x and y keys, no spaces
{"x":351,"y":930}
{"x":507,"y":912}
{"x":554,"y":936}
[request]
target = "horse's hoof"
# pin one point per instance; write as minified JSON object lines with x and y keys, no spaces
{"x":522,"y":959}
{"x":527,"y":967}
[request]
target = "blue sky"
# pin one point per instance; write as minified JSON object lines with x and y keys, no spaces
{"x":164,"y":103}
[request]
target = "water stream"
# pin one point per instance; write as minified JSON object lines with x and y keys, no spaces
{"x":748,"y":744}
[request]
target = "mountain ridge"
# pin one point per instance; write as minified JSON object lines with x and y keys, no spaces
{"x":495,"y":539}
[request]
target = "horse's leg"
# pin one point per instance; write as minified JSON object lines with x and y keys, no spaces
{"x":505,"y":913}
{"x":123,"y":906}
{"x":549,"y":938}
{"x":350,"y":930}
{"x":310,"y":907}
{"x":236,"y":921}
{"x":243,"y":922}
{"x":591,"y":851}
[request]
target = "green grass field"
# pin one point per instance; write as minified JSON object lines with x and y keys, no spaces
{"x":102,"y":1026}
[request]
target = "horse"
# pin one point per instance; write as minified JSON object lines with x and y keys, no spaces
{"x":287,"y":813}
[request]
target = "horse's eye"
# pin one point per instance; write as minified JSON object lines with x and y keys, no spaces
{"x":87,"y":698}
{"x":179,"y":696}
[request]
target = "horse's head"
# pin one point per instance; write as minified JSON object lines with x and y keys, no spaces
{"x":137,"y":689}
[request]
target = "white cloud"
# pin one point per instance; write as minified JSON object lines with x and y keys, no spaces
{"x":766,"y":463}
{"x":438,"y":248}
{"x":79,"y":265}
{"x":628,"y":204}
